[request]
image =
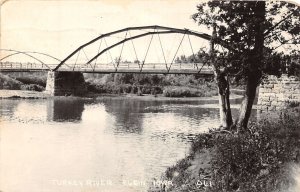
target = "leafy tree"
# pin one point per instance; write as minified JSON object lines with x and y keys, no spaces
{"x":251,"y":32}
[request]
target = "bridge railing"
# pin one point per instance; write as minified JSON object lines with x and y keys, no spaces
{"x":187,"y":68}
{"x":25,"y":66}
{"x":136,"y":66}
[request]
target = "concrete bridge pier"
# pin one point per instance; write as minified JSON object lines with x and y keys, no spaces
{"x":61,"y":83}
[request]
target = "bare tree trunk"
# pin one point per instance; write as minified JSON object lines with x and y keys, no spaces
{"x":247,"y":103}
{"x":223,"y":88}
{"x":254,"y":72}
{"x":224,"y":102}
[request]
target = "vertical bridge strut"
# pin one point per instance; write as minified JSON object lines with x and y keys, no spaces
{"x":86,"y":57}
{"x":128,"y":37}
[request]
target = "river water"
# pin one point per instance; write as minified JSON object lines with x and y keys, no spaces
{"x":113,"y":144}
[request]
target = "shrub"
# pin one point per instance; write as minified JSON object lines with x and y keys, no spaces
{"x":191,"y":86}
{"x":294,"y":104}
{"x":112,"y":88}
{"x":41,"y":81}
{"x":32,"y":87}
{"x":180,"y":92}
{"x":256,"y":160}
{"x":7,"y":82}
{"x":201,"y":91}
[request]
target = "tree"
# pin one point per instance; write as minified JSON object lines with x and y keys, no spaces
{"x":251,"y":32}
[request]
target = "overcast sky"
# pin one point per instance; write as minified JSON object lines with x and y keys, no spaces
{"x":58,"y":27}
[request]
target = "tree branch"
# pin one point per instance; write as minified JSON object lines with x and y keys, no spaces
{"x":277,"y":24}
{"x":286,"y":42}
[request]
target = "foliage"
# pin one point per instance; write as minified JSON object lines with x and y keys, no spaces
{"x":7,"y":82}
{"x":251,"y":34}
{"x":200,"y":57}
{"x":31,"y":79}
{"x":183,"y":85}
{"x":32,"y":87}
{"x":180,"y":92}
{"x":256,"y":160}
{"x":206,"y":90}
{"x":294,"y":104}
{"x":32,"y":83}
{"x":236,"y":28}
{"x":111,"y":88}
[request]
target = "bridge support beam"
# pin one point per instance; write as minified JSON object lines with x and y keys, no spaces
{"x":65,"y":83}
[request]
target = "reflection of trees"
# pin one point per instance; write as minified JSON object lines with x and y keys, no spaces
{"x":64,"y":109}
{"x":8,"y":107}
{"x":128,"y":113}
{"x":197,"y":113}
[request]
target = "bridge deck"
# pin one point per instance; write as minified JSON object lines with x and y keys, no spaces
{"x":149,"y":68}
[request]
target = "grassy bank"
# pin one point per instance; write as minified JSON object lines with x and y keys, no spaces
{"x":262,"y":159}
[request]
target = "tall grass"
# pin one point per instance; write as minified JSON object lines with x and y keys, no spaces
{"x":257,"y":160}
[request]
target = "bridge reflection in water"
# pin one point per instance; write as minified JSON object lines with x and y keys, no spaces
{"x":64,"y":110}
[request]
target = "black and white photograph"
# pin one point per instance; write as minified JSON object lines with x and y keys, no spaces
{"x":149,"y":96}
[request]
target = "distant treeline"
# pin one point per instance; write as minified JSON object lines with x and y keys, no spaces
{"x":168,"y":85}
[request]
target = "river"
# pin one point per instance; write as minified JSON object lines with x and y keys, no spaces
{"x":112,"y":144}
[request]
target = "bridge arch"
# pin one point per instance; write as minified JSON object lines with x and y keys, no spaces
{"x":29,"y":54}
{"x":156,"y":30}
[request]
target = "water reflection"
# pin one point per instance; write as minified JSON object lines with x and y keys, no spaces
{"x":64,"y":109}
{"x":7,"y":108}
{"x":111,"y":139}
{"x":128,"y":115}
{"x":177,"y":117}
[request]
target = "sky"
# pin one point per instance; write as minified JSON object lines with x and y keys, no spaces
{"x":59,"y":27}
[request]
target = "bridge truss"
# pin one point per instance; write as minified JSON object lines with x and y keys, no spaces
{"x":142,"y":62}
{"x":129,"y":50}
{"x":27,"y":61}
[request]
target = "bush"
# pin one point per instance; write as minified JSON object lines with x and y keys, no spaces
{"x":200,"y":91}
{"x":111,"y":88}
{"x":180,"y":92}
{"x":256,"y":160}
{"x":7,"y":82}
{"x":32,"y":87}
{"x":191,"y":86}
{"x":41,"y":81}
{"x":24,"y":83}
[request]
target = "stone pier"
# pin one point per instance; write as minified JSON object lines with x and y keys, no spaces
{"x":276,"y":93}
{"x":60,"y":83}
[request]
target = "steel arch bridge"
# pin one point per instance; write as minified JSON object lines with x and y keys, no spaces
{"x":92,"y":51}
{"x":37,"y":63}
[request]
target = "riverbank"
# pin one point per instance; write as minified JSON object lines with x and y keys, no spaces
{"x":150,"y":87}
{"x":23,"y":94}
{"x":266,"y":158}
